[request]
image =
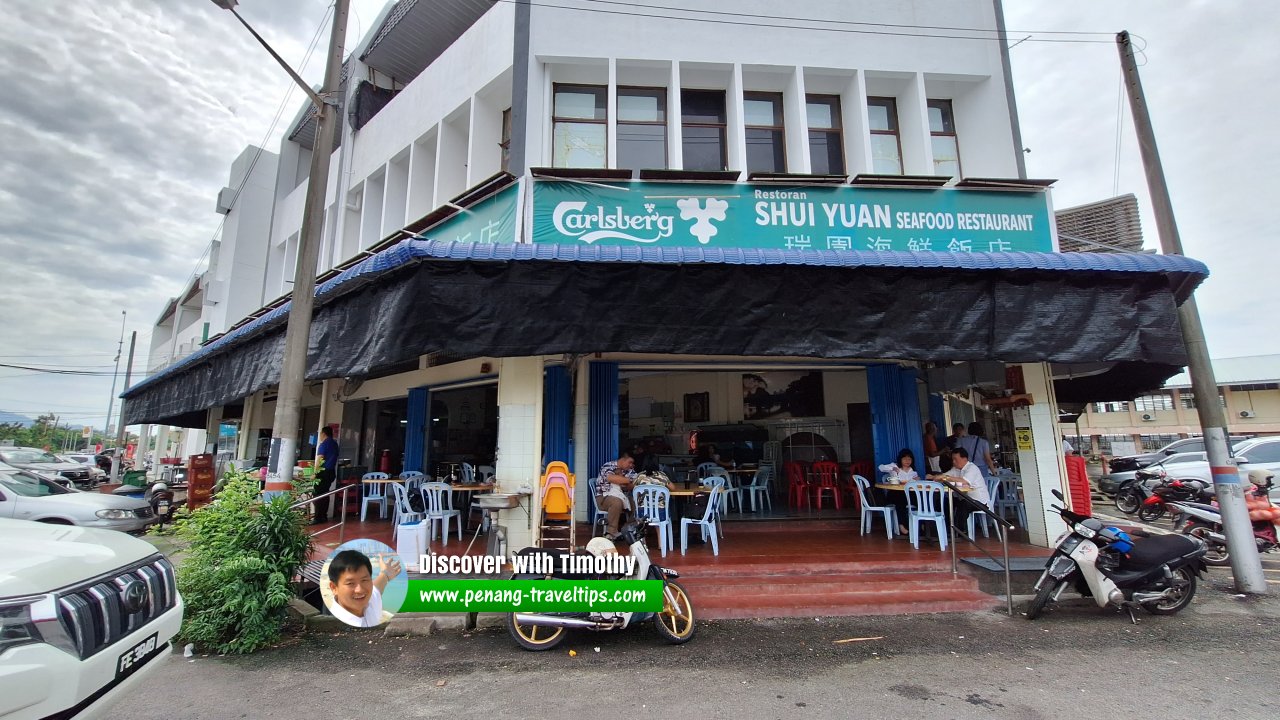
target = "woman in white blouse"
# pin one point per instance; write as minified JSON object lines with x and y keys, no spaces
{"x":899,"y":473}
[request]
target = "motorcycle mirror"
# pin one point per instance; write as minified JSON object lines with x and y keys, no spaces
{"x":1058,"y":494}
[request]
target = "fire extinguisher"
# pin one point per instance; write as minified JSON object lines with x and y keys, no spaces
{"x":384,"y":465}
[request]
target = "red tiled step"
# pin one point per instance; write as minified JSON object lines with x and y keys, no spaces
{"x":800,"y":565}
{"x":738,"y":587}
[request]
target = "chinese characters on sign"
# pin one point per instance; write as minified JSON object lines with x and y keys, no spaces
{"x":491,"y":220}
{"x":742,"y":215}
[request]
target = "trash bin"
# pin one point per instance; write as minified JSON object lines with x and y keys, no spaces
{"x":136,"y":478}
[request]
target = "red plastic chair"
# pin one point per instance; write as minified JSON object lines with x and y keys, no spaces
{"x":797,"y":484}
{"x":826,"y":480}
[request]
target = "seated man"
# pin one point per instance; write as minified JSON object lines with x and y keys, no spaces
{"x":612,"y":484}
{"x":964,"y":473}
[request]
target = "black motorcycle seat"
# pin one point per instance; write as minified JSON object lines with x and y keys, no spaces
{"x":1158,"y":550}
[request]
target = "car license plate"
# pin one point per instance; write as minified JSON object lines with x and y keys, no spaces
{"x":137,"y":656}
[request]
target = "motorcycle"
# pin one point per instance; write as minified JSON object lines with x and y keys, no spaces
{"x":160,"y":497}
{"x":1204,"y":521}
{"x":1173,"y":491}
{"x":544,"y":631}
{"x":1156,"y":573}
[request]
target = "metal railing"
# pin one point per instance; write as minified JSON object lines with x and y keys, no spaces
{"x":342,"y":523}
{"x":1003,"y":527}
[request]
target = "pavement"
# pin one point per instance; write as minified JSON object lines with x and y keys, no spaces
{"x":1214,"y":659}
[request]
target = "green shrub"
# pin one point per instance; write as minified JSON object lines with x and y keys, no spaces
{"x":237,"y":577}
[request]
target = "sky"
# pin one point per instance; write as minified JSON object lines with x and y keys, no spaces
{"x":122,"y":117}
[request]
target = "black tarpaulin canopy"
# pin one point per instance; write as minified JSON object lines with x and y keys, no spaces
{"x":475,"y":300}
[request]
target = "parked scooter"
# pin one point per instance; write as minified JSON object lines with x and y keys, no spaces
{"x":1204,"y":521}
{"x":1173,"y":491}
{"x":1156,"y":573}
{"x":161,"y":499}
{"x":544,"y":631}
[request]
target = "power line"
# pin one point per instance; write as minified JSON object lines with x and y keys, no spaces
{"x":994,"y":35}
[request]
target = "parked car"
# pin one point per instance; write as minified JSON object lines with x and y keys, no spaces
{"x":44,"y":463}
{"x":1253,"y":454}
{"x":1128,"y":463}
{"x":27,"y":496}
{"x":96,"y":474}
{"x":85,"y":613}
{"x":1108,"y":484}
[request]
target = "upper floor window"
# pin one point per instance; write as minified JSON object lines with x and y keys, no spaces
{"x":579,"y":128}
{"x":1154,"y":401}
{"x":702,"y":122}
{"x":1110,"y":407}
{"x":886,"y":147}
{"x":942,"y":129}
{"x":642,"y":128}
{"x":826,"y":140}
{"x":766,"y":136}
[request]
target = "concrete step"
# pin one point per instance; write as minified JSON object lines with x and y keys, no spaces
{"x":792,"y":565}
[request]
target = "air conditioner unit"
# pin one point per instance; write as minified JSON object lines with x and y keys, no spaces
{"x":1248,"y":414}
{"x":1148,"y":417}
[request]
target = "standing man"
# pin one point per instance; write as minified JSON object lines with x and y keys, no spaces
{"x":612,"y":484}
{"x":951,"y":443}
{"x":326,"y":466}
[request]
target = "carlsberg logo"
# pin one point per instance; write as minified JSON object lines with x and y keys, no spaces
{"x":571,"y":219}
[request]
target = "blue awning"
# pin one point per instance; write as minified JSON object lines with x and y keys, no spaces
{"x":935,"y":271}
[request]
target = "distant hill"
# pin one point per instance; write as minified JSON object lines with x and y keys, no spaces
{"x":8,"y":417}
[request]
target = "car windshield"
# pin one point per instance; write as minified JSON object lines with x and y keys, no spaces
{"x":28,"y":486}
{"x":23,"y":456}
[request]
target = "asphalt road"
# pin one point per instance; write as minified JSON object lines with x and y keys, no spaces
{"x":1216,"y":659}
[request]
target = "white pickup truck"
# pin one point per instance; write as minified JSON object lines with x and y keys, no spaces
{"x":84,"y":614}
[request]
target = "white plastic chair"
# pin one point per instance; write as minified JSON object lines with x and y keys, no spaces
{"x":713,"y":482}
{"x":484,"y":473}
{"x":402,"y":512}
{"x":707,"y":523}
{"x":654,"y":502}
{"x":993,"y":489}
{"x":759,"y":487}
{"x":412,"y":480}
{"x":924,"y":504}
{"x":890,"y":512}
{"x":438,"y":498}
{"x":1009,"y":499}
{"x":373,"y":493}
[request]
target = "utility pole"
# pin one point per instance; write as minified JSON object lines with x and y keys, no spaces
{"x":111,"y":401}
{"x":297,"y":335}
{"x":1246,"y":566}
{"x":120,"y":436}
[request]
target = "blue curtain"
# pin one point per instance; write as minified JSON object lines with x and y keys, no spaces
{"x":557,"y":413}
{"x":895,"y":412}
{"x":415,"y":433}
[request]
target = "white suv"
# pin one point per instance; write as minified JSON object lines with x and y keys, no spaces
{"x":84,"y":614}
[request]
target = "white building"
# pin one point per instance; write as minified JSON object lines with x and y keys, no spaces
{"x":729,"y":147}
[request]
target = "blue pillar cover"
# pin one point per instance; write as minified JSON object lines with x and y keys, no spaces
{"x":602,"y":420}
{"x":895,"y":412}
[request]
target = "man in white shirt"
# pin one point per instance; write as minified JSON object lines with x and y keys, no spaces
{"x":967,"y":474}
{"x":1066,"y":447}
{"x":357,"y":596}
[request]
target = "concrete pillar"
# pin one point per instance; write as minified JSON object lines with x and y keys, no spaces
{"x":140,"y":455}
{"x":212,"y":424}
{"x":520,"y":443}
{"x":1042,"y":466}
{"x":249,"y":426}
{"x":582,"y":443}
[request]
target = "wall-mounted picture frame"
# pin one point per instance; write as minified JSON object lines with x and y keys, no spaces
{"x":697,"y":407}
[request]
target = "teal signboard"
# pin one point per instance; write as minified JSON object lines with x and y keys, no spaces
{"x":743,"y":215}
{"x":492,"y":220}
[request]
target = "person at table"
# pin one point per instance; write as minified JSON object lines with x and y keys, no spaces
{"x":707,"y":453}
{"x":899,"y":472}
{"x":612,"y":485}
{"x":932,"y":453}
{"x":966,"y":476}
{"x":976,"y":446}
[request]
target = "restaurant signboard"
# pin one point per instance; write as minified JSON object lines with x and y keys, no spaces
{"x":745,"y":215}
{"x":491,"y":220}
